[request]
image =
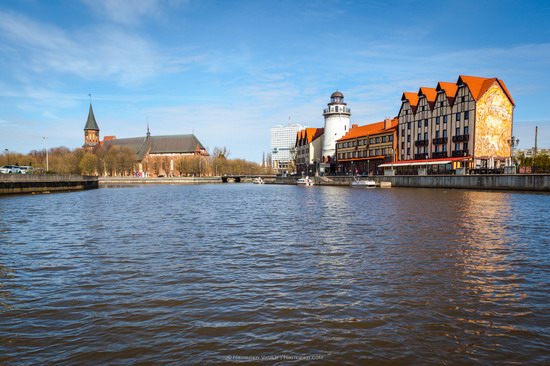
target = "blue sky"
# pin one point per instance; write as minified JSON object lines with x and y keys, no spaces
{"x":230,"y":70}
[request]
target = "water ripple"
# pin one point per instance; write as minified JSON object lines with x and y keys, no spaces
{"x":239,"y":273}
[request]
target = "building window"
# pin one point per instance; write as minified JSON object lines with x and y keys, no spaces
{"x":456,"y":147}
{"x":383,"y":151}
{"x":466,"y":115}
{"x":390,"y":138}
{"x":353,"y":143}
{"x":354,"y":154}
{"x":425,"y":123}
{"x":378,"y":140}
{"x":403,"y":133}
{"x":441,"y":104}
{"x":419,"y":123}
{"x":465,"y":146}
{"x":466,"y":130}
{"x":436,"y":134}
{"x":436,"y":148}
{"x":409,"y":125}
{"x":444,"y":133}
{"x":444,"y":147}
{"x":408,"y":151}
{"x":425,"y":135}
{"x":402,"y":145}
{"x":457,"y":131}
{"x":445,"y":119}
{"x":437,"y":120}
{"x":458,"y":116}
{"x":408,"y":138}
{"x":372,"y":140}
{"x":360,"y":142}
{"x":419,"y":136}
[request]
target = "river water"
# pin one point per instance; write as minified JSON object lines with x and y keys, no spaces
{"x":242,"y":273}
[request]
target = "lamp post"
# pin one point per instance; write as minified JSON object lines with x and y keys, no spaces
{"x":391,"y":152}
{"x":47,"y":162}
{"x":8,"y":155}
{"x":513,"y":142}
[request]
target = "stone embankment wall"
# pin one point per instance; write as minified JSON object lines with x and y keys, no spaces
{"x":34,"y":183}
{"x":515,"y":182}
{"x":106,"y":181}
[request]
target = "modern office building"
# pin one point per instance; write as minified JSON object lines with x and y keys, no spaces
{"x":283,"y":139}
{"x":457,"y":127}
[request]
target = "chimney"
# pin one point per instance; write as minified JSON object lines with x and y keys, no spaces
{"x":387,"y":123}
{"x":354,"y":126}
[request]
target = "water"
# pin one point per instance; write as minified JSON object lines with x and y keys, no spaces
{"x":215,"y":274}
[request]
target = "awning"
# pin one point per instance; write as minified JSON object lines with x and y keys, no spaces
{"x":424,"y":162}
{"x":396,"y":165}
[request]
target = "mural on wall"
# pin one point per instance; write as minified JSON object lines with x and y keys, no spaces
{"x":493,"y":124}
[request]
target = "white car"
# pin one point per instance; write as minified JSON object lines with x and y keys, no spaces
{"x":7,"y":169}
{"x":26,"y":169}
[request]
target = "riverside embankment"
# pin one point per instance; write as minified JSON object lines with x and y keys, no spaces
{"x":513,"y":182}
{"x":34,"y":183}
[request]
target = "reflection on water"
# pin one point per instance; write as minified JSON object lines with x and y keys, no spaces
{"x":240,"y":273}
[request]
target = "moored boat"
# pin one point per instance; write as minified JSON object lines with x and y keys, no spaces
{"x":306,"y":181}
{"x":368,"y":183}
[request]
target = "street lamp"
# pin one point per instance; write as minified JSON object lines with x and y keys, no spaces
{"x":513,"y":142}
{"x":8,"y":155}
{"x":391,"y":151}
{"x":47,"y":162}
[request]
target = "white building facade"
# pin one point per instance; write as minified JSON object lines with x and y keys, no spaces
{"x":337,"y":120}
{"x":283,"y":139}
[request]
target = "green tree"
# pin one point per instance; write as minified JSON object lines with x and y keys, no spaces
{"x":88,"y":164}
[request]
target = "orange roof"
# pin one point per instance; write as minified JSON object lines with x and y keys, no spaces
{"x":370,"y":129}
{"x":478,"y":85}
{"x":450,"y":90}
{"x":412,"y":98}
{"x":309,"y":134}
{"x":429,"y":93}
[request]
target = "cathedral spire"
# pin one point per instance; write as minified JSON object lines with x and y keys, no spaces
{"x":148,"y":133}
{"x":91,"y":129}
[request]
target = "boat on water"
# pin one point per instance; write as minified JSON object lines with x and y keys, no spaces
{"x":258,"y":180}
{"x":368,"y":183}
{"x":306,"y":181}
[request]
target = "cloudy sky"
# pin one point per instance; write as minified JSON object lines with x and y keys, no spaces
{"x":229,"y":70}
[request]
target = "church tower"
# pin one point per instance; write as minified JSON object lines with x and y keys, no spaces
{"x":91,"y":131}
{"x":337,"y":118}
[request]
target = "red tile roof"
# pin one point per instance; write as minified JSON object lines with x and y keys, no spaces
{"x":370,"y":129}
{"x":309,"y":134}
{"x":450,"y":90}
{"x":478,"y":85}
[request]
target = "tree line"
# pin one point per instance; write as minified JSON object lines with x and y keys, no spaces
{"x":120,"y":161}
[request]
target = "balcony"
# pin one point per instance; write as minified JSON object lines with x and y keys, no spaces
{"x":422,"y":156}
{"x":461,"y":138}
{"x":458,"y":153}
{"x":440,"y":141}
{"x":421,"y":143}
{"x":340,"y":110}
{"x":440,"y":154}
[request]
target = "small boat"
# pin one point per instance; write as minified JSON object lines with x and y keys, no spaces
{"x":368,"y":183}
{"x":258,"y":180}
{"x":307,"y":181}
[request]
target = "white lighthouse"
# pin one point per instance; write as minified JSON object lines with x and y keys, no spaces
{"x":337,"y":117}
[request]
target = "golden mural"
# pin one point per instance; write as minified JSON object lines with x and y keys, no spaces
{"x":493,"y":124}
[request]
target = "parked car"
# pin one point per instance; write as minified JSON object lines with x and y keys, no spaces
{"x":10,"y":169}
{"x":26,"y":169}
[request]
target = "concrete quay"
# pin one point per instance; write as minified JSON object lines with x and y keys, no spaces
{"x":34,"y":183}
{"x":510,"y":182}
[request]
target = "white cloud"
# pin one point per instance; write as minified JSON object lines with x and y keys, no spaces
{"x":107,"y":53}
{"x":131,"y":12}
